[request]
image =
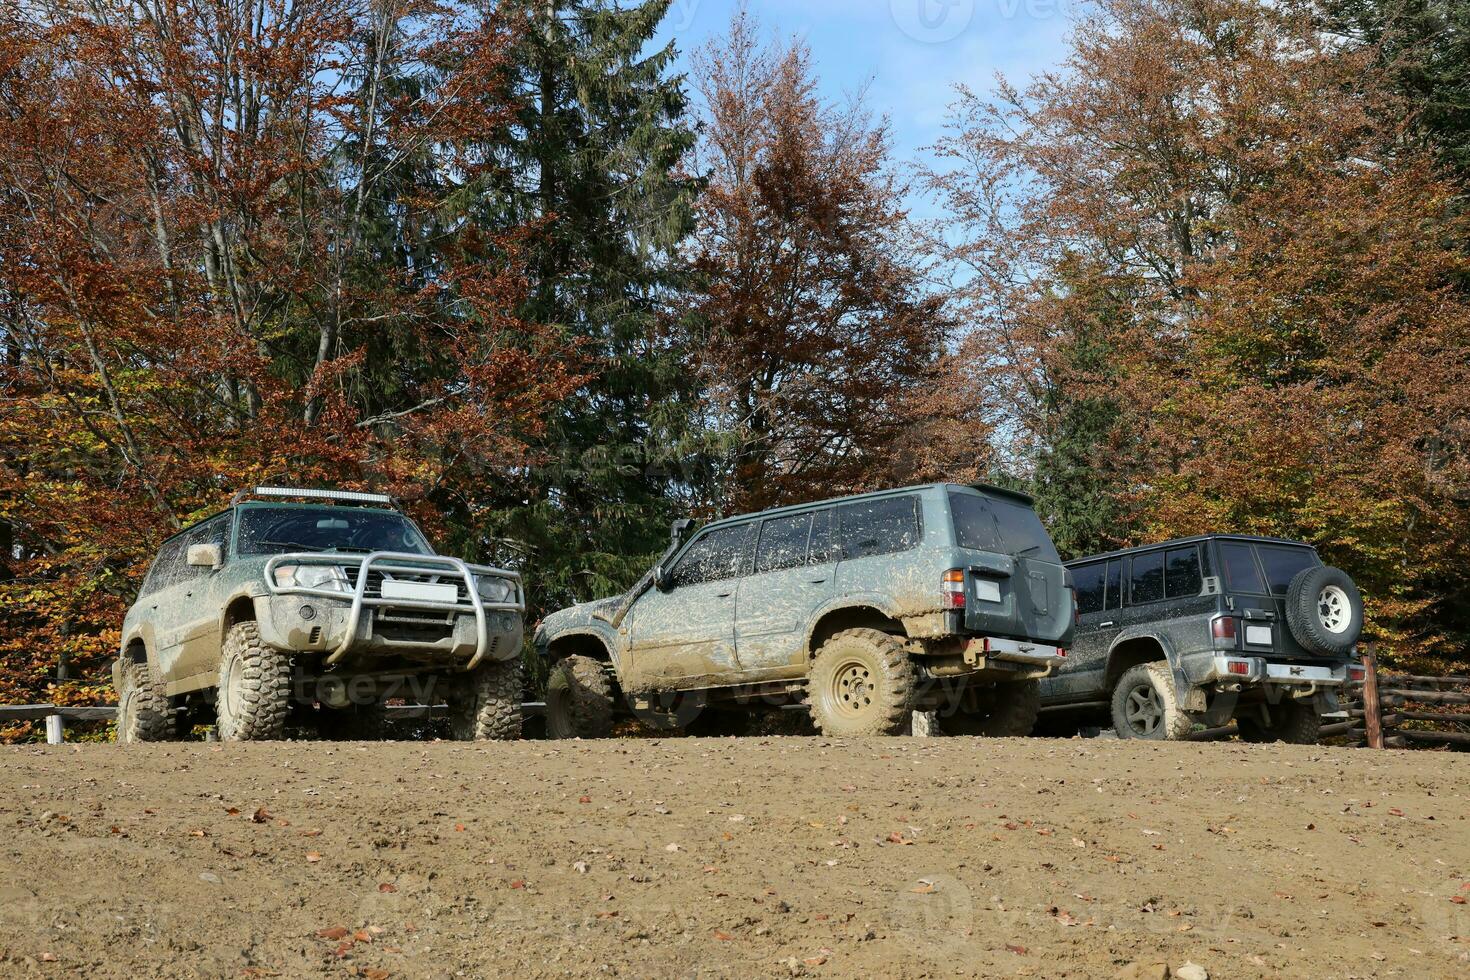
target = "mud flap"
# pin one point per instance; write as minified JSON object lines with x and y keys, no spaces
{"x":1328,"y":706}
{"x":1222,"y":709}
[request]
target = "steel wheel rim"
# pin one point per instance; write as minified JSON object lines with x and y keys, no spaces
{"x":1144,"y":709}
{"x":1334,"y":610}
{"x":851,"y":690}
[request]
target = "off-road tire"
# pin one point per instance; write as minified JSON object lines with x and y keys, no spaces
{"x":143,"y":713}
{"x":1002,"y":711}
{"x":253,"y":697}
{"x":1324,"y":610}
{"x":579,"y":699}
{"x":1293,"y":722}
{"x":485,"y":706}
{"x":861,"y":684}
{"x":1145,"y":706}
{"x":356,"y":723}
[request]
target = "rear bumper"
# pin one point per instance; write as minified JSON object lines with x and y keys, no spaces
{"x":1039,"y":656}
{"x":1259,"y":670}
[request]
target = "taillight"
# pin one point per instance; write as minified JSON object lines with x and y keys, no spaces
{"x":1357,"y":673}
{"x":1238,"y":667}
{"x":952,"y":589}
{"x":1223,"y":628}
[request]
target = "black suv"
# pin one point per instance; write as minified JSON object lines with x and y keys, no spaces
{"x":1201,"y":630}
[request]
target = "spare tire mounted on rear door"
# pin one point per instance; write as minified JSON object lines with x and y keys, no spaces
{"x":1324,"y":610}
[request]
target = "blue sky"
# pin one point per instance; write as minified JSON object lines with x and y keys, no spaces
{"x":910,"y":53}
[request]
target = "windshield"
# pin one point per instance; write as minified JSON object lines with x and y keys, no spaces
{"x":276,"y":531}
{"x":1000,"y":525}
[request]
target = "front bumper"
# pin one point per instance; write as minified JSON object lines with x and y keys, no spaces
{"x":433,"y":609}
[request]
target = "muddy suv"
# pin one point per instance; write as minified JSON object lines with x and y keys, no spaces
{"x":1197,"y":631}
{"x":321,"y":604}
{"x":940,"y":598}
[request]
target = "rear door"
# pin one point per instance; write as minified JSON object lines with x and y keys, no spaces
{"x":1082,"y":676}
{"x":792,"y":577}
{"x":687,"y":634}
{"x":1033,"y":601}
{"x":1257,"y":576}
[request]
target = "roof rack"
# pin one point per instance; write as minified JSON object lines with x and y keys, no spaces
{"x":303,"y":493}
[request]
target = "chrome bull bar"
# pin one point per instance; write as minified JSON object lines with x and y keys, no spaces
{"x":401,"y":563}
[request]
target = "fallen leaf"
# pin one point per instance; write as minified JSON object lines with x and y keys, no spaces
{"x":314,"y":832}
{"x":584,"y":799}
{"x":333,"y":932}
{"x":363,"y":936}
{"x":723,"y":936}
{"x":387,"y":886}
{"x":923,"y":888}
{"x":233,"y":811}
{"x":312,"y":857}
{"x":1019,"y":950}
{"x":261,"y":815}
{"x":518,"y":883}
{"x":459,"y":827}
{"x":375,"y":973}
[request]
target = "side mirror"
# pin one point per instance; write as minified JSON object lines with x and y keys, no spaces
{"x":204,"y":555}
{"x":661,"y":578}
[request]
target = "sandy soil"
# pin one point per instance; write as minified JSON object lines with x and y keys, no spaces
{"x":776,"y":856}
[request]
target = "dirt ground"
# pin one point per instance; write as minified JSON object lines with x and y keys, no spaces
{"x":723,"y":857}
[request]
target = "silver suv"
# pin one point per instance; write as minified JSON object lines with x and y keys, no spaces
{"x":942,"y":598}
{"x":324,"y":602}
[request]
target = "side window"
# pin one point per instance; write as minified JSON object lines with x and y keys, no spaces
{"x":783,"y":543}
{"x":1182,"y":576}
{"x":878,"y":527}
{"x":1241,"y":573}
{"x":718,"y":554}
{"x":1282,"y":564}
{"x":1147,"y":579}
{"x":820,"y":551}
{"x":1090,"y":587}
{"x":166,"y":567}
{"x":1115,"y":584}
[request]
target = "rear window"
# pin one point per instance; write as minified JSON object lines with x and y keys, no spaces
{"x":878,"y":527}
{"x":783,"y":543}
{"x":1147,"y":578}
{"x":1182,"y":576}
{"x":1001,"y":525}
{"x":1241,"y":573}
{"x":1282,"y":564}
{"x":1090,"y":587}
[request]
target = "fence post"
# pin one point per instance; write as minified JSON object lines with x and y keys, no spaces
{"x":1372,"y":712}
{"x":55,"y":733}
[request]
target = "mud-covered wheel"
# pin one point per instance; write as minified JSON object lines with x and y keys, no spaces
{"x":579,"y":699}
{"x":1002,"y":711}
{"x":1324,"y":610}
{"x":254,"y":693}
{"x":143,"y":713}
{"x":1292,"y":721}
{"x":486,"y":704}
{"x":862,"y":683}
{"x":355,"y":723}
{"x":1145,"y":705}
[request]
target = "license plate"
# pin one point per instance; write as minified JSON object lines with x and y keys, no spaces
{"x":419,"y":591}
{"x":1258,"y":635}
{"x":986,"y":590}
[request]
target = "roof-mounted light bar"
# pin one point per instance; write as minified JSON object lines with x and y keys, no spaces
{"x":302,"y":493}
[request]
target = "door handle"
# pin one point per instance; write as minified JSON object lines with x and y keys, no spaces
{"x":817,"y":581}
{"x":724,"y":595}
{"x":1106,"y":625}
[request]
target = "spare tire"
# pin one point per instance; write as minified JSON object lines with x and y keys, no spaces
{"x":1324,"y":610}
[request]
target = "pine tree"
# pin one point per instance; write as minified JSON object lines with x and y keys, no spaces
{"x":593,"y":161}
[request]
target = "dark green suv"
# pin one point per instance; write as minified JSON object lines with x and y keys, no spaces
{"x":318,"y":601}
{"x":1195,"y":632}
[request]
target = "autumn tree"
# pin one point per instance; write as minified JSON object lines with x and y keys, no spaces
{"x":1204,"y":226}
{"x":236,"y":246}
{"x":812,"y":290}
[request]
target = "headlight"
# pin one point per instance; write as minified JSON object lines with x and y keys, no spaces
{"x":495,"y":589}
{"x":329,"y":577}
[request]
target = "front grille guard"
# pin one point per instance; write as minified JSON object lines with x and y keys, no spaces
{"x":401,"y":563}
